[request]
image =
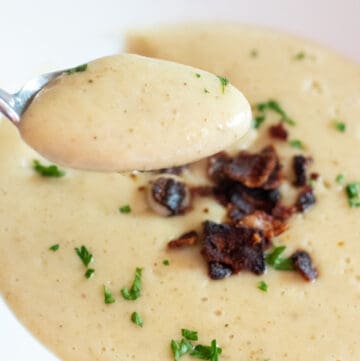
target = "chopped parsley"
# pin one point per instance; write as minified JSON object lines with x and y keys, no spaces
{"x":181,"y":348}
{"x":340,"y":126}
{"x":189,"y":334}
{"x":89,"y":272}
{"x":108,"y":297}
{"x":254,"y":53}
{"x":211,"y":352}
{"x":224,"y":82}
{"x":296,"y":143}
{"x":51,"y":170}
{"x":340,"y":179}
{"x":274,"y":259}
{"x":136,"y":318}
{"x":300,"y":56}
{"x":262,"y":285}
{"x":353,"y":194}
{"x":54,"y":247}
{"x":125,"y":209}
{"x":135,"y":291}
{"x":77,"y":69}
{"x":198,"y":75}
{"x":206,"y":91}
{"x":85,"y":256}
{"x":258,"y":121}
{"x":166,"y":262}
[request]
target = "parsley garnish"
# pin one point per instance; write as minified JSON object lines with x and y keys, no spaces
{"x":189,"y":335}
{"x":125,"y":209}
{"x":274,"y":259}
{"x":89,"y":272}
{"x":353,"y":194}
{"x":166,"y":262}
{"x":136,"y":318}
{"x":206,"y":91}
{"x":135,"y":290}
{"x":54,"y":247}
{"x":299,"y":56}
{"x":85,"y":256}
{"x":262,"y":285}
{"x":340,"y":179}
{"x":258,"y":121}
{"x":108,"y":297}
{"x":211,"y":352}
{"x":296,"y":143}
{"x":254,"y":53}
{"x":77,"y":69}
{"x":274,"y":106}
{"x":51,"y":170}
{"x":224,"y":82}
{"x":198,"y":75}
{"x":180,"y":348}
{"x":340,"y":126}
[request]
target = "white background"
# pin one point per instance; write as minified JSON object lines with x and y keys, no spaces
{"x":41,"y":35}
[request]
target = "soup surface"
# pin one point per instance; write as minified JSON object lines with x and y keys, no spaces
{"x":294,"y":320}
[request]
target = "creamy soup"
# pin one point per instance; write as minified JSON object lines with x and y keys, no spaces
{"x":293,"y":321}
{"x":126,"y":112}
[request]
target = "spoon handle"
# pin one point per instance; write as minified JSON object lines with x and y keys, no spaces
{"x":7,"y":104}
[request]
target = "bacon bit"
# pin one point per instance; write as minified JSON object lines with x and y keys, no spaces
{"x":275,"y":178}
{"x":252,"y":170}
{"x":141,"y":188}
{"x":202,"y":191}
{"x":300,"y":165}
{"x":305,"y":199}
{"x":314,"y":176}
{"x":278,"y":131}
{"x":233,"y":248}
{"x":216,"y":166}
{"x":282,"y":212}
{"x":270,"y":226}
{"x":173,"y":170}
{"x":169,"y":196}
{"x":186,"y":239}
{"x":303,"y":264}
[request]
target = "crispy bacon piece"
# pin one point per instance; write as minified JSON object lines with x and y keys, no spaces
{"x":282,"y":212}
{"x":186,"y":239}
{"x":173,"y":170}
{"x":270,"y":226}
{"x":202,"y":191}
{"x":216,"y":166}
{"x":278,"y":131}
{"x":306,"y":199}
{"x":300,"y":165}
{"x":252,"y":169}
{"x":228,"y":248}
{"x":303,"y":264}
{"x":169,"y":196}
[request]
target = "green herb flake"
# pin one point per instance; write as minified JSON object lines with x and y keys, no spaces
{"x":136,"y":318}
{"x":353,"y":194}
{"x":340,"y":179}
{"x":274,"y":106}
{"x":54,"y":247}
{"x":77,"y":69}
{"x":274,"y":259}
{"x":258,"y":121}
{"x":89,"y":273}
{"x":51,"y":170}
{"x":206,"y":91}
{"x":198,"y":75}
{"x":181,"y":348}
{"x":135,"y":291}
{"x":300,"y":56}
{"x":211,"y":352}
{"x":262,"y":286}
{"x":166,"y":262}
{"x":108,"y":297}
{"x":85,"y":256}
{"x":189,"y":335}
{"x":224,"y":82}
{"x":340,"y":126}
{"x":254,"y":53}
{"x":296,"y":143}
{"x":125,"y":209}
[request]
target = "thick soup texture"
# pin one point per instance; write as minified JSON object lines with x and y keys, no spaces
{"x":108,"y":213}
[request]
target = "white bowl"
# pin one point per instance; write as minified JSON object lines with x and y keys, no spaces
{"x":41,"y":35}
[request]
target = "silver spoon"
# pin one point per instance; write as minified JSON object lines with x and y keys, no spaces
{"x":14,"y":105}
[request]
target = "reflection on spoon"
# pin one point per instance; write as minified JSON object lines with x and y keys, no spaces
{"x":127,"y":112}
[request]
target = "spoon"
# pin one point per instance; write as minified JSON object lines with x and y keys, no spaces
{"x":126,"y":112}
